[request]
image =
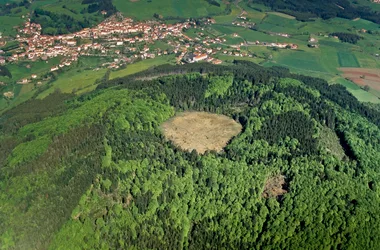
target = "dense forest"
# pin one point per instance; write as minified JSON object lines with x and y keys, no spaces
{"x":6,"y":8}
{"x":307,"y":10}
{"x":347,"y":37}
{"x":96,"y":172}
{"x":4,"y":71}
{"x":54,"y":23}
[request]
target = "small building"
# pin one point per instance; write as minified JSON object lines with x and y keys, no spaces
{"x":194,"y":57}
{"x":23,"y":81}
{"x":217,"y":61}
{"x":200,"y":57}
{"x":71,"y":43}
{"x":54,"y":68}
{"x":8,"y":94}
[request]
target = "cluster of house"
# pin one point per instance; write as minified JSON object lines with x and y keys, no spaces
{"x":282,"y":45}
{"x":279,"y":34}
{"x":197,"y":57}
{"x":114,"y":31}
{"x":239,"y":22}
{"x":126,"y":40}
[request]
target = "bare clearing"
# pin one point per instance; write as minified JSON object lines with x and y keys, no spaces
{"x":275,"y":186}
{"x":363,"y":77}
{"x":200,"y":131}
{"x":282,"y":15}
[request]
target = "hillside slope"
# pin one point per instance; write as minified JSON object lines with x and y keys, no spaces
{"x":307,"y":10}
{"x":95,"y":171}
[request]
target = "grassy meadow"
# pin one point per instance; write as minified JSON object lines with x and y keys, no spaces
{"x":26,"y":69}
{"x":144,"y":9}
{"x":227,"y":19}
{"x":9,"y":24}
{"x":142,"y":65}
{"x":347,"y":59}
{"x":68,"y":7}
{"x":358,"y":92}
{"x":74,"y":81}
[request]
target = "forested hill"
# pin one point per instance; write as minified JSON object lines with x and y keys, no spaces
{"x":96,"y":172}
{"x":306,"y":10}
{"x":88,"y":14}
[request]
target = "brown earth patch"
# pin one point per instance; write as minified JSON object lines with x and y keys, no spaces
{"x":275,"y":186}
{"x":363,"y":77}
{"x":200,"y":131}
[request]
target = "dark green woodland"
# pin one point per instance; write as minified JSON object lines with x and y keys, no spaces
{"x":96,"y":172}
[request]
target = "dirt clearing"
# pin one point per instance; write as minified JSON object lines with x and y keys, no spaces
{"x":363,"y":77}
{"x":200,"y":131}
{"x":275,"y":186}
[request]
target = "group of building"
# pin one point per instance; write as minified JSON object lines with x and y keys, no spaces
{"x":125,"y":40}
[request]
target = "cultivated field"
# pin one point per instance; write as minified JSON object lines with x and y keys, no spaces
{"x":347,"y":59}
{"x":358,"y":92}
{"x":363,"y":77}
{"x":308,"y":61}
{"x":200,"y":131}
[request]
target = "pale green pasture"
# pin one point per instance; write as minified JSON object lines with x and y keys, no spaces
{"x":142,"y":65}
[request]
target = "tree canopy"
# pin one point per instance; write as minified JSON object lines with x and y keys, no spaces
{"x":95,"y":171}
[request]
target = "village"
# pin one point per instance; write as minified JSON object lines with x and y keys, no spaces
{"x":125,"y":41}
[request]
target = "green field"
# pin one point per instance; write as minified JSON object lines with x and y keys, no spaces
{"x":70,"y":8}
{"x":8,"y":24}
{"x":359,"y":93}
{"x":364,"y":24}
{"x":163,"y":45}
{"x":74,"y":81}
{"x":347,"y":59}
{"x":301,"y":60}
{"x":285,"y":25}
{"x":227,"y":19}
{"x":368,"y":3}
{"x":26,"y":69}
{"x":142,"y":65}
{"x":143,"y":9}
{"x":253,"y":15}
{"x":22,"y":94}
{"x":226,"y":29}
{"x":248,"y":34}
{"x":82,"y":81}
{"x":367,"y":61}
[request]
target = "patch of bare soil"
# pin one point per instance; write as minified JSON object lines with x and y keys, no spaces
{"x":275,"y":186}
{"x":363,"y":76}
{"x":200,"y":131}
